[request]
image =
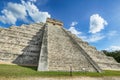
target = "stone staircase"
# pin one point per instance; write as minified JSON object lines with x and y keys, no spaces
{"x":21,"y":45}
{"x":98,"y":69}
{"x":60,"y":53}
{"x":103,"y":61}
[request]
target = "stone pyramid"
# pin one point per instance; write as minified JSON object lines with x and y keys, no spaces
{"x":52,"y":48}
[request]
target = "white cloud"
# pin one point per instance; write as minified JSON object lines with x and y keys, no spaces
{"x":13,"y":12}
{"x":74,"y":23}
{"x":34,"y":12}
{"x":33,"y":0}
{"x":20,"y":11}
{"x":113,"y":48}
{"x":8,"y":17}
{"x":73,"y":30}
{"x":97,"y":23}
{"x":94,"y":37}
{"x":91,"y":38}
{"x":112,"y":33}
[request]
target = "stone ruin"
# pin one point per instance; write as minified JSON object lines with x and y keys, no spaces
{"x":51,"y":48}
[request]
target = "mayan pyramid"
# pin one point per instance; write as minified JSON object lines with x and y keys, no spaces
{"x":52,"y":48}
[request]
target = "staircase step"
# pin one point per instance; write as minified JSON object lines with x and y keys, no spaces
{"x":19,"y":59}
{"x":25,"y":29}
{"x":21,"y":30}
{"x":21,"y":41}
{"x":97,"y":56}
{"x":18,"y":50}
{"x":29,"y":53}
{"x":16,"y":46}
{"x":21,"y":37}
{"x":109,"y":66}
{"x":16,"y":33}
{"x":32,"y":26}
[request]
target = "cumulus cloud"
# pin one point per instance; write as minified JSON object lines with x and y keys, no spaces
{"x":74,"y":23}
{"x":73,"y":30}
{"x":113,"y":48}
{"x":94,"y":37}
{"x":13,"y":12}
{"x":89,"y":38}
{"x":112,"y":33}
{"x":97,"y":23}
{"x":20,"y":11}
{"x":34,"y":12}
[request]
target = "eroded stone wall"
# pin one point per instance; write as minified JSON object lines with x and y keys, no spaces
{"x":54,"y":48}
{"x":21,"y":45}
{"x":63,"y":54}
{"x":103,"y":61}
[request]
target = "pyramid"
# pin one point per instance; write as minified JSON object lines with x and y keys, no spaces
{"x":50,"y":47}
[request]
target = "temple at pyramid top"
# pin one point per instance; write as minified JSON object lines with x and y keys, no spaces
{"x":54,"y":21}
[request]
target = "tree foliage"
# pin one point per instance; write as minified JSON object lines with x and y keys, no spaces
{"x":114,"y":54}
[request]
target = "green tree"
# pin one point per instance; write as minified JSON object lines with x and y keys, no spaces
{"x":114,"y":54}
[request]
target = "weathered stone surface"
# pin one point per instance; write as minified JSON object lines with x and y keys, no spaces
{"x":103,"y":61}
{"x":51,"y":48}
{"x":61,"y":53}
{"x":43,"y":57}
{"x":21,"y":45}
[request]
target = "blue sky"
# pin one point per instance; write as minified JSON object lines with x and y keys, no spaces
{"x":95,"y":21}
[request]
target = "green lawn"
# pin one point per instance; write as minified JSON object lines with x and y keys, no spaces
{"x":24,"y":71}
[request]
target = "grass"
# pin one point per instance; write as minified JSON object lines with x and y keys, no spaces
{"x":16,"y":71}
